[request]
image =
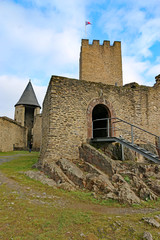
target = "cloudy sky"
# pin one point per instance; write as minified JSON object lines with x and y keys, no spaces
{"x":40,"y":38}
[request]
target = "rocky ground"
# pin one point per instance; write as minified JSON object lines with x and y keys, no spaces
{"x":129,"y":183}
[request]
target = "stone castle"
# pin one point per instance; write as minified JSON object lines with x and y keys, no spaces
{"x":71,"y":105}
{"x":25,"y":130}
{"x":78,"y":113}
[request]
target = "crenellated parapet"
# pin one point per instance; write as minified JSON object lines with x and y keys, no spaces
{"x":101,"y":62}
{"x":85,"y":42}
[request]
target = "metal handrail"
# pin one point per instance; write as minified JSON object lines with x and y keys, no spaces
{"x":130,"y":133}
{"x":120,"y":120}
{"x":136,"y":127}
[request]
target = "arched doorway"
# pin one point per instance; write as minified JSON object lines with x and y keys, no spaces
{"x":100,"y":122}
{"x":110,"y":113}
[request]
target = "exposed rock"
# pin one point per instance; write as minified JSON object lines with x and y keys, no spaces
{"x":40,"y":176}
{"x":142,"y":169}
{"x":157,"y":169}
{"x":147,"y":236}
{"x":154,"y":185}
{"x":127,"y":182}
{"x":54,"y":172}
{"x":72,"y":172}
{"x":125,"y":194}
{"x":98,"y":159}
{"x":146,"y":194}
{"x":91,"y":169}
{"x":114,"y":151}
{"x":118,"y":179}
{"x":66,"y":186}
{"x":111,"y":195}
{"x":136,"y":184}
{"x":82,"y":235}
{"x":101,"y":182}
{"x":152,"y":222}
{"x":158,"y":217}
{"x":142,"y":190}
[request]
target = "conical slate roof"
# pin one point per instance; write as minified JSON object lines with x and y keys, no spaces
{"x":28,"y":97}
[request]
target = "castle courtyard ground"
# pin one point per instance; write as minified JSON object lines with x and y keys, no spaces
{"x":32,"y":210}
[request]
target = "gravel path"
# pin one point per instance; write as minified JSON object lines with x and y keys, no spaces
{"x":9,"y":158}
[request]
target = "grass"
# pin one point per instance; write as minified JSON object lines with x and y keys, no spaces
{"x":28,"y":220}
{"x":30,"y":210}
{"x":12,"y":153}
{"x":88,"y":197}
{"x":126,"y":178}
{"x":16,"y":167}
{"x":20,"y":163}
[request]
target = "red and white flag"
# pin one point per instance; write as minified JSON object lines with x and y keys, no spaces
{"x":87,"y":23}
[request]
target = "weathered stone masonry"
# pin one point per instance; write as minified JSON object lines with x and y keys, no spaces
{"x":101,"y":63}
{"x":36,"y":132}
{"x":68,"y":106}
{"x":12,"y":135}
{"x":25,"y":129}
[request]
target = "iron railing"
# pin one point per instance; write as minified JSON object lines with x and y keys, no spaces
{"x":116,"y":127}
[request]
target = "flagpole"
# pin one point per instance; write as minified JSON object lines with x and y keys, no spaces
{"x":86,"y":23}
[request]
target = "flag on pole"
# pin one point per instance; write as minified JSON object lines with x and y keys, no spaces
{"x":87,"y":23}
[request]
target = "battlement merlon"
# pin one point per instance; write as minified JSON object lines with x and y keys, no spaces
{"x":101,"y":62}
{"x":85,"y":42}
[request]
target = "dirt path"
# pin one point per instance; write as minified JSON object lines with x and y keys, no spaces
{"x":9,"y":158}
{"x":38,"y":197}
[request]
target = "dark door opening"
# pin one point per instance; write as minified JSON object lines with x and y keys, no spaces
{"x":29,"y":119}
{"x":100,"y":114}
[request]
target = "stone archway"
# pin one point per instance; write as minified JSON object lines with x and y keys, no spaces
{"x":102,"y":108}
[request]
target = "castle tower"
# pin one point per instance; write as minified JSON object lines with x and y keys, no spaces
{"x":26,"y":108}
{"x":101,"y":63}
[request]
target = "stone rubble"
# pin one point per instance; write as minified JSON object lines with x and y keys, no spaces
{"x":151,"y":221}
{"x":147,"y":236}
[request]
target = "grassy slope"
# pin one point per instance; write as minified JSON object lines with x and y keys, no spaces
{"x":39,"y":212}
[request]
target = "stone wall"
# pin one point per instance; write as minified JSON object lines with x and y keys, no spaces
{"x":101,"y":63}
{"x":37,"y":132}
{"x":19,"y":115}
{"x":46,"y":131}
{"x":12,"y":135}
{"x":68,"y":106}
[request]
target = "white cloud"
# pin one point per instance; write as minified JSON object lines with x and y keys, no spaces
{"x":136,"y":24}
{"x":42,"y":38}
{"x":38,"y":42}
{"x":40,"y":92}
{"x":133,"y":69}
{"x":38,"y":39}
{"x":154,"y":70}
{"x":12,"y":88}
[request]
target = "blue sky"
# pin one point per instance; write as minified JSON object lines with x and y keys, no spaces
{"x":42,"y":38}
